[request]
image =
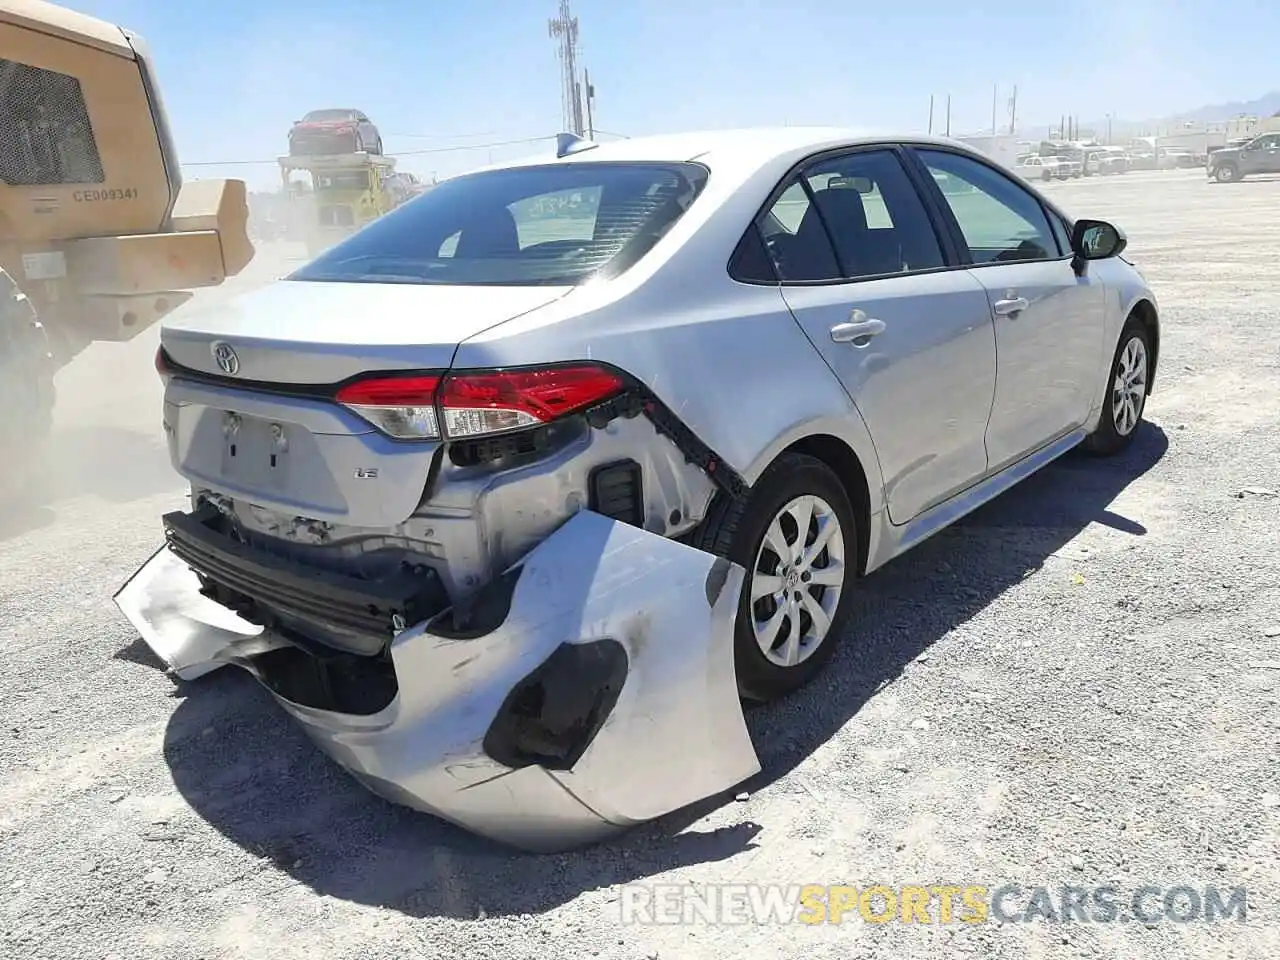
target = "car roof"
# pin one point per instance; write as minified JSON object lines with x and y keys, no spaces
{"x":755,"y":146}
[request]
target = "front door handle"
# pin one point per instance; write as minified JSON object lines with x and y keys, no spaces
{"x":858,"y":332}
{"x":1007,"y":308}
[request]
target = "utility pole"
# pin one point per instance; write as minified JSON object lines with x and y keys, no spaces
{"x":564,"y":28}
{"x":995,"y":98}
{"x":931,"y":114}
{"x":948,"y":114}
{"x":1013,"y":111}
{"x":591,"y":97}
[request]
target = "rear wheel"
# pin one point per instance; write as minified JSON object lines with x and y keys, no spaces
{"x":796,"y":536}
{"x":1126,"y":399}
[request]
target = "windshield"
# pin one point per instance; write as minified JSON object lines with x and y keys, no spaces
{"x":353,"y":180}
{"x":545,"y":225}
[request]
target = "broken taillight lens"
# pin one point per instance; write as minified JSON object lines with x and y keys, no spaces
{"x":476,"y":404}
{"x":401,"y":407}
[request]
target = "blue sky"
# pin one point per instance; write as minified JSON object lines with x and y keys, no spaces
{"x":436,"y":75}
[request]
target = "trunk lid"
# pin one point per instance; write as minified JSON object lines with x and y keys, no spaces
{"x":262,"y":427}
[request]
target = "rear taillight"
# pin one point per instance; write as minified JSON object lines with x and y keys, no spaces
{"x":401,"y":407}
{"x":478,"y":404}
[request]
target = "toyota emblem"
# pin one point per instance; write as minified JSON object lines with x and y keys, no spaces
{"x":226,"y":358}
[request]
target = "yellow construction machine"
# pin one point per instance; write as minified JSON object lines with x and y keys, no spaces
{"x":99,"y":236}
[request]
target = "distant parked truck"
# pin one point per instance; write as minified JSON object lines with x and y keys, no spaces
{"x":1259,"y":155}
{"x":1106,"y":160}
{"x":1035,"y":167}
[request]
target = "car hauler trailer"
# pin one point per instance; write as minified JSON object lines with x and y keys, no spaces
{"x":347,"y":191}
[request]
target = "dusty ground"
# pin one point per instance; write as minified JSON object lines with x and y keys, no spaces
{"x":1079,"y":684}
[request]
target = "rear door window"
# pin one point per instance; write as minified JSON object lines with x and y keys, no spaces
{"x":850,"y":217}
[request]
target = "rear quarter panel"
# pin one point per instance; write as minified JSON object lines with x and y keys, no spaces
{"x":727,"y":358}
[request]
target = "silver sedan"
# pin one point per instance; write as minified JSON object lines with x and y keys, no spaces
{"x":510,"y":496}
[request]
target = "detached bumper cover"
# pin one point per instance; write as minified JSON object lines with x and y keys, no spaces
{"x":588,"y":689}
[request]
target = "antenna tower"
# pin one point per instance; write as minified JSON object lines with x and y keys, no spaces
{"x":564,"y":29}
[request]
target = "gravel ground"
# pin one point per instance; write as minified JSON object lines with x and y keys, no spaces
{"x":1079,"y":684}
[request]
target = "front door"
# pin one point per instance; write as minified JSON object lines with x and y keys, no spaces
{"x":1262,"y":155}
{"x":1049,"y":323}
{"x":863,"y":273}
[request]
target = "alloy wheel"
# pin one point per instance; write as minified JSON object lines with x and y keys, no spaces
{"x":797,"y":579}
{"x":1130,"y":388}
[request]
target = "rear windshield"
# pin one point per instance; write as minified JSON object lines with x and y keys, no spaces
{"x":546,"y":225}
{"x":330,"y":115}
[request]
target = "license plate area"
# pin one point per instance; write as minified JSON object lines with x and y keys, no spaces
{"x":256,"y":451}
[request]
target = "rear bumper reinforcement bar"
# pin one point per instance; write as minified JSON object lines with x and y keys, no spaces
{"x":376,"y":609}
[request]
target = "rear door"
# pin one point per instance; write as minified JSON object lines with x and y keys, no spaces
{"x":1049,"y":322}
{"x":865,"y":275}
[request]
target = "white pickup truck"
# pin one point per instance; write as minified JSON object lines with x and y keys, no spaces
{"x":1036,"y":167}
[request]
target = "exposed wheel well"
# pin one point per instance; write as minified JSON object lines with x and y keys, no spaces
{"x":1146,"y":312}
{"x":837,"y":455}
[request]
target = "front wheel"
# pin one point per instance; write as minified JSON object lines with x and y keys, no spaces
{"x":796,"y":536}
{"x":1126,"y":399}
{"x":1226,"y":173}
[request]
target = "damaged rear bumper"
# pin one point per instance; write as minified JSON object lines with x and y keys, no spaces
{"x":588,"y":689}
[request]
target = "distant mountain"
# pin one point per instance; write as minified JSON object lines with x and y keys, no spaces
{"x":1266,"y":106}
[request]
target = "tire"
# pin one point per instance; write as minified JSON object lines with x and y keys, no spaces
{"x":378,"y":148}
{"x":1122,"y":416}
{"x":1227,"y":173}
{"x":1046,"y":175}
{"x":740,"y":531}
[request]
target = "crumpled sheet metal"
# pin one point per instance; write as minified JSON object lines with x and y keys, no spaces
{"x":675,"y":735}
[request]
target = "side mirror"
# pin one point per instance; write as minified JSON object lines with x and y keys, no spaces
{"x":1097,"y":240}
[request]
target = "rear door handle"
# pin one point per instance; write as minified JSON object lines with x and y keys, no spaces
{"x":1007,"y":308}
{"x":858,"y":331}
